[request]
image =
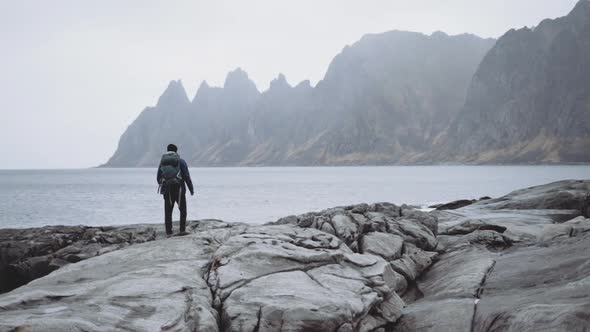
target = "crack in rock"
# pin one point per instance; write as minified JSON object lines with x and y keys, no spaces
{"x":479,"y":293}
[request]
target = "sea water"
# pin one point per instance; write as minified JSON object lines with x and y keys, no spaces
{"x":32,"y":198}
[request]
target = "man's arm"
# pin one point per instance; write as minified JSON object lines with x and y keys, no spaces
{"x":186,"y":176}
{"x":159,"y":175}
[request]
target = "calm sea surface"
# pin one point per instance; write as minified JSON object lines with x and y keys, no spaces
{"x":31,"y":198}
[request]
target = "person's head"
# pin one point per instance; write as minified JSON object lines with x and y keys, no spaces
{"x":172,"y":147}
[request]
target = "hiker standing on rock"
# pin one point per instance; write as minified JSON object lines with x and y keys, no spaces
{"x":173,"y":179}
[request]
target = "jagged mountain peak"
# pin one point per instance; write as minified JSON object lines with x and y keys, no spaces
{"x":305,"y":84}
{"x":174,"y":95}
{"x":239,"y":88}
{"x":204,"y":85}
{"x":238,"y":78}
{"x":279,"y":83}
{"x":202,"y":91}
{"x":580,"y":15}
{"x":583,"y":6}
{"x":281,"y":78}
{"x":439,"y":34}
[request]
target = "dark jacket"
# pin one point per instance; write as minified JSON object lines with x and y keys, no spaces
{"x":186,"y":177}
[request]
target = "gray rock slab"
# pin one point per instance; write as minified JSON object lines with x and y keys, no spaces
{"x":492,"y":240}
{"x":580,"y":225}
{"x":560,"y":195}
{"x":146,"y":287}
{"x":527,"y":225}
{"x":457,"y":274}
{"x":413,"y":232}
{"x":471,"y":225}
{"x":352,"y":223}
{"x":539,"y":288}
{"x":525,"y":212}
{"x":453,"y":314}
{"x":448,"y":292}
{"x":388,"y":246}
{"x":274,"y":278}
{"x":28,"y":254}
{"x":291,"y":301}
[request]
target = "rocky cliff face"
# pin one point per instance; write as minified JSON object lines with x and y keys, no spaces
{"x":384,"y":99}
{"x":529,"y":101}
{"x":142,"y":142}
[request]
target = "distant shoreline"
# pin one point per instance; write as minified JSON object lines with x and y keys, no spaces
{"x":301,"y":166}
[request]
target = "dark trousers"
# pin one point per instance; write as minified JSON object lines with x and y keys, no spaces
{"x":174,"y":195}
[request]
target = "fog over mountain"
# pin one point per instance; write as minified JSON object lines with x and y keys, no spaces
{"x":392,"y":98}
{"x":383,"y":100}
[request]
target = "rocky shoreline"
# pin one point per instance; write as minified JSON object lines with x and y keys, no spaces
{"x":31,"y":253}
{"x":515,"y":263}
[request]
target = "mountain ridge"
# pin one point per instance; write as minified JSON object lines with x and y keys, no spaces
{"x":396,"y":97}
{"x":343,"y":119}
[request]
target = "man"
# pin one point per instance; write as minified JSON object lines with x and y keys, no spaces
{"x":173,"y":178}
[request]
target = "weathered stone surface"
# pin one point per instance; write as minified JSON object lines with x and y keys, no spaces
{"x":524,"y":225}
{"x":492,"y":240}
{"x":469,"y":226}
{"x":413,"y":232}
{"x":486,"y":283}
{"x":453,"y":314}
{"x":28,"y":254}
{"x":346,"y":229}
{"x":554,"y":231}
{"x":145,"y":287}
{"x":404,"y":236}
{"x":455,"y":204}
{"x":388,"y":246}
{"x":226,"y":277}
{"x":295,"y":279}
{"x":561,"y":195}
{"x":448,"y":292}
{"x":272,"y":249}
{"x":352,"y":223}
{"x":457,"y":274}
{"x":425,"y":219}
{"x":524,"y":213}
{"x":406,"y":267}
{"x":538,"y":288}
{"x":580,"y":225}
{"x":421,"y":258}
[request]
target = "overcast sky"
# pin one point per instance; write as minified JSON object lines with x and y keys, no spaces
{"x":74,"y":74}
